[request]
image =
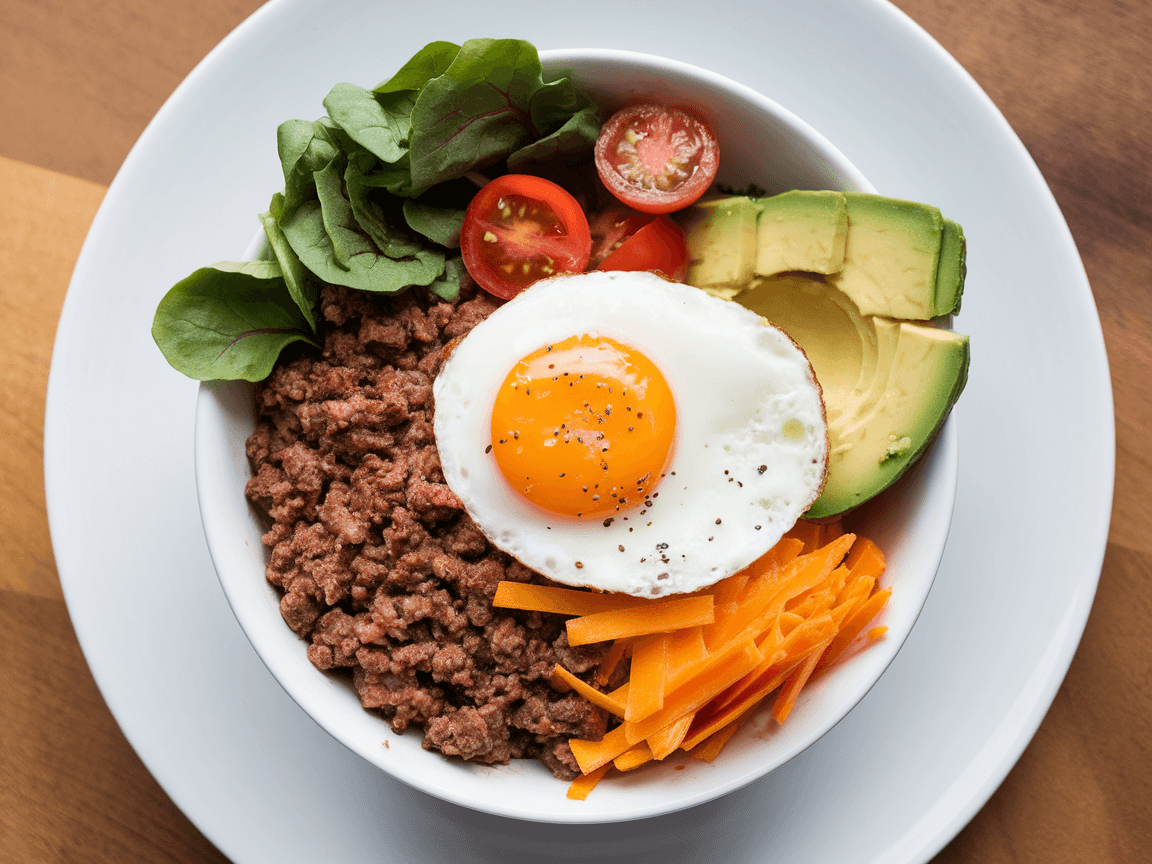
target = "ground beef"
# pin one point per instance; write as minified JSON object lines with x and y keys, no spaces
{"x":381,"y":570}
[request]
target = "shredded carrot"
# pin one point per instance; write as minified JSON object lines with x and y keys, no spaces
{"x":590,"y":755}
{"x":603,"y":700}
{"x":649,"y":668}
{"x":580,"y":787}
{"x":854,"y":624}
{"x":808,"y":533}
{"x":633,"y":757}
{"x":829,"y":531}
{"x":611,"y":661}
{"x":799,"y":575}
{"x":786,"y":698}
{"x":563,"y":601}
{"x":687,"y":646}
{"x":696,"y":693}
{"x":865,"y":558}
{"x":715,"y":743}
{"x":660,"y":616}
{"x":670,"y":737}
{"x":702,"y":663}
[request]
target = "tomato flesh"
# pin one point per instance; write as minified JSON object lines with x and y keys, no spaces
{"x":520,"y":229}
{"x":659,"y":246}
{"x":656,"y":159}
{"x":610,"y":228}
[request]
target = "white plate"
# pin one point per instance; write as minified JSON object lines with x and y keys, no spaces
{"x":916,"y":758}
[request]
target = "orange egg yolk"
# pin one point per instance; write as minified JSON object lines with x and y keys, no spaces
{"x":584,"y":427}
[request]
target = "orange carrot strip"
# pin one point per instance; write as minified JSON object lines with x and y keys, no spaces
{"x":789,"y":622}
{"x":801,"y":574}
{"x":649,"y":669}
{"x":696,"y":692}
{"x":865,"y":559}
{"x":857,"y":588}
{"x":633,"y":757}
{"x":814,"y":603}
{"x":717,"y":740}
{"x":708,"y":723}
{"x":590,"y":755}
{"x":792,"y":648}
{"x":564,"y":601}
{"x":668,"y":739}
{"x":686,"y":647}
{"x":829,"y":531}
{"x":877,"y":633}
{"x":786,"y":698}
{"x":680,"y":675}
{"x":589,"y":692}
{"x":727,"y":590}
{"x":611,"y":661}
{"x":808,"y":533}
{"x":660,"y":616}
{"x":580,"y":787}
{"x":854,"y":624}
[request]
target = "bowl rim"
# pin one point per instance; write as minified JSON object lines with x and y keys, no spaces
{"x":211,"y":398}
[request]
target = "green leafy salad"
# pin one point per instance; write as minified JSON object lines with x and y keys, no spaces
{"x":374,"y":198}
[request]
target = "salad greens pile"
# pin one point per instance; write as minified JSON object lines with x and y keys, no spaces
{"x":374,"y":198}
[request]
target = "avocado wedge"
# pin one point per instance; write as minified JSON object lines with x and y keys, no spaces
{"x":889,"y":377}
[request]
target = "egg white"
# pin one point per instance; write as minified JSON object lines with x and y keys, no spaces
{"x":737,"y":380}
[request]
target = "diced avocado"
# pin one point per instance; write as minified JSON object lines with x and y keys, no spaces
{"x":891,"y":257}
{"x":721,"y":237}
{"x":928,"y":371}
{"x":952,"y":269}
{"x":801,"y":230}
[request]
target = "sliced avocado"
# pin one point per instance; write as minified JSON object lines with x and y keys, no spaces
{"x":721,"y":236}
{"x":801,"y":230}
{"x":887,"y":385}
{"x":952,"y":269}
{"x":839,"y":342}
{"x":891,"y":256}
{"x":927,"y":374}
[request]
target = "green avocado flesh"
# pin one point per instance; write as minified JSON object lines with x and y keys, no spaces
{"x":801,"y":231}
{"x":888,"y":384}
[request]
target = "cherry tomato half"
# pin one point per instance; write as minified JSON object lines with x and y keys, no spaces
{"x":520,"y":229}
{"x":656,"y":159}
{"x":610,"y":227}
{"x":659,"y":245}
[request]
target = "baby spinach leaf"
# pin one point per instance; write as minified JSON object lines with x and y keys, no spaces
{"x":304,"y":149}
{"x":429,"y":62}
{"x":301,"y":286}
{"x":439,"y":224}
{"x":447,"y":287}
{"x":228,"y":322}
{"x":571,"y":144}
{"x":395,"y":178}
{"x":554,"y":102}
{"x":378,"y":223}
{"x":368,"y":269}
{"x":336,"y":211}
{"x":477,"y":112}
{"x":378,"y":123}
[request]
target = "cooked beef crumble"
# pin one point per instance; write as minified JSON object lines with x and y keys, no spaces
{"x":382,"y":571}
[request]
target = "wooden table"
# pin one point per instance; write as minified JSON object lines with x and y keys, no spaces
{"x":78,"y":82}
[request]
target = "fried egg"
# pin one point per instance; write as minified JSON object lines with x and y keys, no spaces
{"x":626,"y":433}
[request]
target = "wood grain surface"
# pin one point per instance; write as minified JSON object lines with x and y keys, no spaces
{"x":1073,"y":79}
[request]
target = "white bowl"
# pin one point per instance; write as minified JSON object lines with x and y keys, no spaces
{"x":760,"y":142}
